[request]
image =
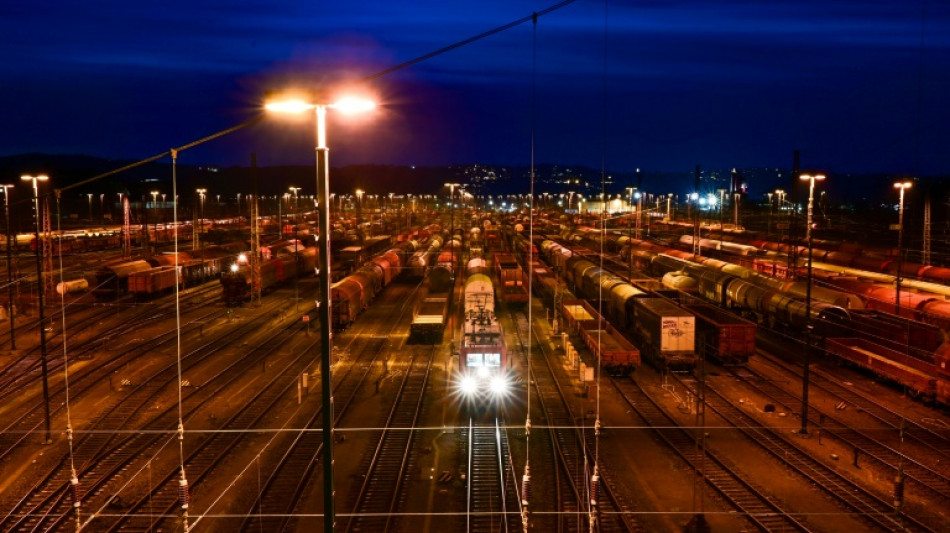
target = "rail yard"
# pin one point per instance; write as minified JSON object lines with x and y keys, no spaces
{"x":492,"y":370}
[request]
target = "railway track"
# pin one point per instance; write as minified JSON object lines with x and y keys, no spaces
{"x":762,"y":511}
{"x":25,"y":369}
{"x":573,"y":449}
{"x":923,"y":476}
{"x":150,"y":511}
{"x":384,"y":486}
{"x":873,"y":510}
{"x":933,"y":442}
{"x":105,"y":451}
{"x":492,"y":502}
{"x":284,"y":488}
{"x":81,"y":383}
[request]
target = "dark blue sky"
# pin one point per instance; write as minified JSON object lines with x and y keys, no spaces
{"x":721,"y":84}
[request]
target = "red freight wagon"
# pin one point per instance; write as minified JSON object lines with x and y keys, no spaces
{"x":727,"y":337}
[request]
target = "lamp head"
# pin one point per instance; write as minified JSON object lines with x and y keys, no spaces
{"x":903,"y":184}
{"x":41,"y":177}
{"x":809,"y":177}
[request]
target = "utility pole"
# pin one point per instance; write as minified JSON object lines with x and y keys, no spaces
{"x":10,"y":305}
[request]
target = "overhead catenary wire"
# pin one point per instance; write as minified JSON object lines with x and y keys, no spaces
{"x":74,"y":477}
{"x":526,"y":479}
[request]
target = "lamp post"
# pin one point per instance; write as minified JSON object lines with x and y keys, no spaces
{"x":89,"y":195}
{"x":452,"y":187}
{"x":6,"y":209}
{"x":736,"y":197}
{"x":323,"y":262}
{"x":630,"y":191}
{"x":296,"y":257}
{"x":639,"y":196}
{"x":768,"y":231}
{"x":154,"y":202}
{"x":901,"y":186}
{"x":811,"y":179}
{"x":722,"y":227}
{"x":201,"y":206}
{"x":39,"y":296}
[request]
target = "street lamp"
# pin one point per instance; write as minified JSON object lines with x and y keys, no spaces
{"x":6,"y":208}
{"x":452,"y":187}
{"x":201,"y":198}
{"x":154,"y":202}
{"x":722,"y":193}
{"x":349,"y":105}
{"x":39,"y":295}
{"x":296,"y":257}
{"x":811,"y":179}
{"x":901,"y":186}
{"x":89,"y":195}
{"x":639,"y":196}
{"x":736,"y":198}
{"x":690,"y":200}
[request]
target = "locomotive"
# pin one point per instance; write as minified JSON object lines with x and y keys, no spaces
{"x":483,"y":358}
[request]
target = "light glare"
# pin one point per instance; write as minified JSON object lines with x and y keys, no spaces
{"x":352,"y":105}
{"x":288,"y":106}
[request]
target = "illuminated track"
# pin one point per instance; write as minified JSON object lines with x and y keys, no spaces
{"x":874,"y":511}
{"x":384,"y":484}
{"x":82,"y":381}
{"x":105,"y":452}
{"x":922,"y":475}
{"x":491,"y":499}
{"x":280,"y":494}
{"x":763,"y":512}
{"x":573,"y":450}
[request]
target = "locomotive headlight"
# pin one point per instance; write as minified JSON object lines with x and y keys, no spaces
{"x":234,"y":267}
{"x":499,"y":386}
{"x":468,"y":385}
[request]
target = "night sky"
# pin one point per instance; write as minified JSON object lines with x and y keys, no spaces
{"x":857,"y":86}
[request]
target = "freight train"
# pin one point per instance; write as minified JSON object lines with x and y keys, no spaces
{"x":665,"y":334}
{"x":153,"y":276}
{"x":898,"y":349}
{"x":353,"y":294}
{"x":237,"y":283}
{"x":483,"y":374}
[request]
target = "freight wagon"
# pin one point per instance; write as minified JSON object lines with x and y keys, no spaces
{"x":665,"y":333}
{"x":512,"y":281}
{"x":112,"y":281}
{"x":428,"y":321}
{"x":725,"y":337}
{"x":618,"y":356}
{"x":908,"y":372}
{"x":154,"y":281}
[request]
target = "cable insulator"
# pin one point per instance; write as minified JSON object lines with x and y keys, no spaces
{"x":183,"y":497}
{"x":69,"y":432}
{"x":597,"y":427}
{"x":74,"y":490}
{"x":594,"y":490}
{"x":525,"y":488}
{"x":527,"y":426}
{"x":181,"y":431}
{"x":898,"y":490}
